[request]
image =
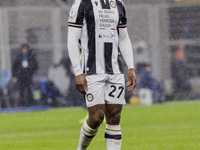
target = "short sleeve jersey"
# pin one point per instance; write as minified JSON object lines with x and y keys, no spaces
{"x":99,"y":21}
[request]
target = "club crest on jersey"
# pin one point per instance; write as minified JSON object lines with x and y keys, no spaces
{"x":90,"y":97}
{"x":100,"y":36}
{"x":112,"y":4}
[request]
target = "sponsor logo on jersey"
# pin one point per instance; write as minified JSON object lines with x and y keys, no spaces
{"x":102,"y":28}
{"x":112,"y":4}
{"x":112,"y":29}
{"x":113,"y":36}
{"x":110,"y":36}
{"x":90,"y":97}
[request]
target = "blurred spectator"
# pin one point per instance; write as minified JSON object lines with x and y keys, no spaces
{"x":5,"y":77}
{"x":147,"y":81}
{"x":75,"y":97}
{"x":66,"y":63}
{"x":142,"y":56}
{"x":49,"y":92}
{"x":23,"y":68}
{"x":187,"y":31}
{"x":179,"y":71}
{"x":13,"y":93}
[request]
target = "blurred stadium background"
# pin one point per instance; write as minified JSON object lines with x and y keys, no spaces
{"x":155,"y":27}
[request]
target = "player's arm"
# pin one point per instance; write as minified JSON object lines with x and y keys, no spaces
{"x":73,"y":49}
{"x":126,"y":47}
{"x":127,"y":53}
{"x":74,"y":32}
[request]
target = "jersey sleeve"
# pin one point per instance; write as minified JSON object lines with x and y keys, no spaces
{"x":76,"y":14}
{"x":122,"y":15}
{"x":126,"y":47}
{"x":73,"y":49}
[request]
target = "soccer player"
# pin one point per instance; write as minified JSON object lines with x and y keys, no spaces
{"x":100,"y":25}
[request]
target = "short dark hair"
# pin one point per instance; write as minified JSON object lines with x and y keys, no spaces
{"x":25,"y":45}
{"x":147,"y":65}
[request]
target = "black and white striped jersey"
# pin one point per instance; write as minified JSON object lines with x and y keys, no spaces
{"x":99,"y":21}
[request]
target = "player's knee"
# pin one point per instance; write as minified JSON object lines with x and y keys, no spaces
{"x":113,"y":119}
{"x":96,"y":118}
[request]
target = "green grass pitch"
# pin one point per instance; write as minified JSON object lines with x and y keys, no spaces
{"x":170,"y":126}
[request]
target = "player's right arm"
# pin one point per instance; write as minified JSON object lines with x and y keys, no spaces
{"x":75,"y":24}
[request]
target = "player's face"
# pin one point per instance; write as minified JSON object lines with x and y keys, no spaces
{"x":24,"y":50}
{"x":148,"y":68}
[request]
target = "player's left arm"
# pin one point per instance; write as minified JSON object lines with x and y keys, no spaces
{"x":74,"y":55}
{"x":126,"y":47}
{"x":75,"y":23}
{"x":127,"y":53}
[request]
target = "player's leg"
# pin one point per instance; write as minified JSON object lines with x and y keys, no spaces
{"x":90,"y":126}
{"x":114,"y":101}
{"x":96,"y":115}
{"x":113,"y":128}
{"x":96,"y":110}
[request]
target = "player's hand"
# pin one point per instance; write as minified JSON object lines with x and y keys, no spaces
{"x":81,"y":83}
{"x":131,"y":83}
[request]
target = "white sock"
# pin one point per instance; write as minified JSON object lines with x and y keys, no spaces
{"x":113,"y":137}
{"x":86,"y":136}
